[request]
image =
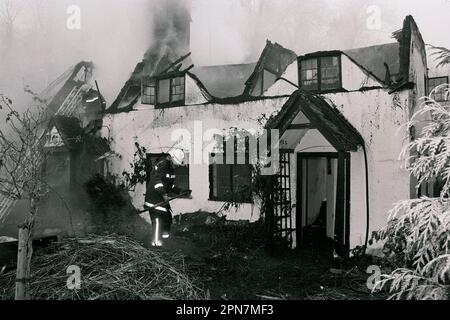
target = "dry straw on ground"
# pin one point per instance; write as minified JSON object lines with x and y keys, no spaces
{"x":112,"y":267}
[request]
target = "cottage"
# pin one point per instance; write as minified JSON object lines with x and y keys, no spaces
{"x":338,"y":114}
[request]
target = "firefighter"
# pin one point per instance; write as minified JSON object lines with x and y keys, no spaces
{"x":160,"y":188}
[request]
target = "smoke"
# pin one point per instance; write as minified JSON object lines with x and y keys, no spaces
{"x":234,"y":31}
{"x":113,"y":34}
{"x":37,"y":46}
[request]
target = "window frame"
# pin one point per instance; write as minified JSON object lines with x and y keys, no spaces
{"x":434,"y":78}
{"x":157,"y":80}
{"x":223,"y":198}
{"x":319,"y":58}
{"x":147,"y":83}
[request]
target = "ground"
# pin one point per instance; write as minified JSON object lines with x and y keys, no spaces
{"x":231,"y":262}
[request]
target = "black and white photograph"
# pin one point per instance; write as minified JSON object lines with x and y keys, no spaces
{"x":248,"y":153}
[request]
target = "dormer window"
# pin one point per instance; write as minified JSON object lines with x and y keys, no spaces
{"x":163,"y":91}
{"x":322,"y":73}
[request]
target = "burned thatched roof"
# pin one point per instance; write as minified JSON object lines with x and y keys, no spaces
{"x":75,"y":137}
{"x":274,"y":58}
{"x":381,"y":61}
{"x":388,"y":63}
{"x":376,"y":58}
{"x":74,"y":80}
{"x":223,"y":81}
{"x":130,"y":92}
{"x":219,"y":84}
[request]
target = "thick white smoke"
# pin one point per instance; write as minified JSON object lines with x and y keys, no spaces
{"x":113,"y":34}
{"x":37,"y":46}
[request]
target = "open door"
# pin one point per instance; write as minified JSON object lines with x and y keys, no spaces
{"x":322,"y":201}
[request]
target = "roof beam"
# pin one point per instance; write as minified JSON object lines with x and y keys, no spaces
{"x":174,"y":64}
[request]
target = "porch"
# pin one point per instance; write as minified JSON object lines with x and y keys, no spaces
{"x":320,"y":151}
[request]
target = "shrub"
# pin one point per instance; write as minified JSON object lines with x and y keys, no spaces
{"x":417,"y":236}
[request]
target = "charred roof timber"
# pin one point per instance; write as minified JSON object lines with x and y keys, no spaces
{"x":388,"y":64}
{"x":218,"y":84}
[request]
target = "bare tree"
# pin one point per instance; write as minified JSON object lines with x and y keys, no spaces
{"x":22,"y":148}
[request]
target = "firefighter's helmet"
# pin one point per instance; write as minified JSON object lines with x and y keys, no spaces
{"x":177,"y":156}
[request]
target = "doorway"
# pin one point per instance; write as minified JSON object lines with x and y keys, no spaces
{"x":323,"y":201}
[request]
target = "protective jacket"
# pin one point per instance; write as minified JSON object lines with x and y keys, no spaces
{"x":161,"y":183}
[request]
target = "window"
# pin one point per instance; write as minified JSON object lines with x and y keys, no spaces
{"x":167,"y":91}
{"x":321,"y":73}
{"x":148,"y":91}
{"x":441,"y":93}
{"x":230,"y":182}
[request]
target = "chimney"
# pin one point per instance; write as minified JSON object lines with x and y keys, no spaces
{"x":171,"y":32}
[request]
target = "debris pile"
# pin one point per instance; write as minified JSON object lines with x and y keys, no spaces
{"x":111,"y":267}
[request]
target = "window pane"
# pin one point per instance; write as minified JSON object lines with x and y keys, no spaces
{"x":222,"y":181}
{"x":242,"y":182}
{"x":178,"y":81}
{"x":309,"y":64}
{"x":163,"y":91}
{"x":330,"y":73}
{"x":308,"y":74}
{"x":182,"y":177}
{"x":177,"y":89}
{"x":329,"y":62}
{"x":310,"y":85}
{"x":148,"y":91}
